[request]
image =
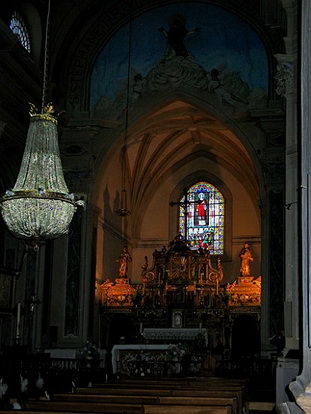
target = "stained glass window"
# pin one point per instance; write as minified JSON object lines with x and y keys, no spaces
{"x":18,"y":27}
{"x":201,"y":217}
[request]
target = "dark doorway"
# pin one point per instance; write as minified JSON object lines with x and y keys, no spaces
{"x":245,"y":337}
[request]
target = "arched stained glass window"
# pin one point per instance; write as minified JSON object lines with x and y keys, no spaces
{"x":201,"y":217}
{"x":18,"y":27}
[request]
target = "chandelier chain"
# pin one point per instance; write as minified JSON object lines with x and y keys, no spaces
{"x":45,"y":63}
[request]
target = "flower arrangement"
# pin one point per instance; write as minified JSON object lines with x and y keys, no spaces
{"x":177,"y":351}
{"x":89,"y":350}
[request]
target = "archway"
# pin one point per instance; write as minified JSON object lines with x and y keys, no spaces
{"x":167,"y":148}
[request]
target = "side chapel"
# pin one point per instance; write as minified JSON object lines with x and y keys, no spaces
{"x":184,"y":128}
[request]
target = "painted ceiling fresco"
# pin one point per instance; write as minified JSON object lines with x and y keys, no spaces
{"x":184,"y":45}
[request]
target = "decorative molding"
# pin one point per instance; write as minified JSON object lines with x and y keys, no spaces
{"x":285,"y":77}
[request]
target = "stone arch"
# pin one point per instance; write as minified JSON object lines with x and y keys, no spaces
{"x":79,"y":57}
{"x":164,"y":148}
{"x":148,"y":120}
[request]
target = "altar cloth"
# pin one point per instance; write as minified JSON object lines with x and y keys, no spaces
{"x":115,"y":353}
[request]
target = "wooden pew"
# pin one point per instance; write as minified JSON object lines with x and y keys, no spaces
{"x":93,"y":407}
{"x":190,"y":392}
{"x":167,"y":382}
{"x":173,"y":390}
{"x":191,"y":399}
{"x":233,"y":397}
{"x":151,"y":409}
{"x":147,"y":396}
{"x":83,"y":407}
{"x":179,"y":383}
{"x":156,"y":409}
{"x":45,"y":412}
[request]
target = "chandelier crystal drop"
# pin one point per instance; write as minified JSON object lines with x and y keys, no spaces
{"x":39,"y":206}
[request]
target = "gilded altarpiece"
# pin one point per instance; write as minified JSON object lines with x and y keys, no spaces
{"x":182,"y":302}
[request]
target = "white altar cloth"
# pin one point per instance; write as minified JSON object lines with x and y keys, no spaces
{"x":128,"y":347}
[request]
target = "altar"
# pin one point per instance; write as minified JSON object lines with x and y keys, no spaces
{"x":180,"y":312}
{"x":156,"y":360}
{"x":119,"y":353}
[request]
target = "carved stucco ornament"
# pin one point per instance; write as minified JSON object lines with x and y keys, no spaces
{"x":285,"y":79}
{"x":175,"y":72}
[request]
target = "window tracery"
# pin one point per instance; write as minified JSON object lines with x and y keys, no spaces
{"x":18,"y":27}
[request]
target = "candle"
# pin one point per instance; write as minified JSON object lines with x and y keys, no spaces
{"x":140,"y":327}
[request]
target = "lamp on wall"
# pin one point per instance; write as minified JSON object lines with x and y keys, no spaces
{"x":39,"y":207}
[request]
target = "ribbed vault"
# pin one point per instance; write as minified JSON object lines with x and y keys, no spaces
{"x":172,"y":143}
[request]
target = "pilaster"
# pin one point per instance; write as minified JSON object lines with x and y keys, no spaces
{"x":286,"y":87}
{"x":300,"y":387}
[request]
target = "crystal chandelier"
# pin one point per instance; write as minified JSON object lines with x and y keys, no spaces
{"x":39,"y":206}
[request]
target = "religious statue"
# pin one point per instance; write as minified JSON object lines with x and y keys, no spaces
{"x":245,"y":256}
{"x":123,"y":261}
{"x":176,"y":35}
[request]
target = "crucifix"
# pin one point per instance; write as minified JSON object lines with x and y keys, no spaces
{"x":185,"y":204}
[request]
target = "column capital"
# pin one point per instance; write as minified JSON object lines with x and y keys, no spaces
{"x":286,"y":74}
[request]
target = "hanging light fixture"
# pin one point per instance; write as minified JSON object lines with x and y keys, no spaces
{"x":123,"y":211}
{"x":39,"y":207}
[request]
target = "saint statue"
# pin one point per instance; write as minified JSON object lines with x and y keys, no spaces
{"x":123,"y":261}
{"x":176,"y":35}
{"x":246,"y":257}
